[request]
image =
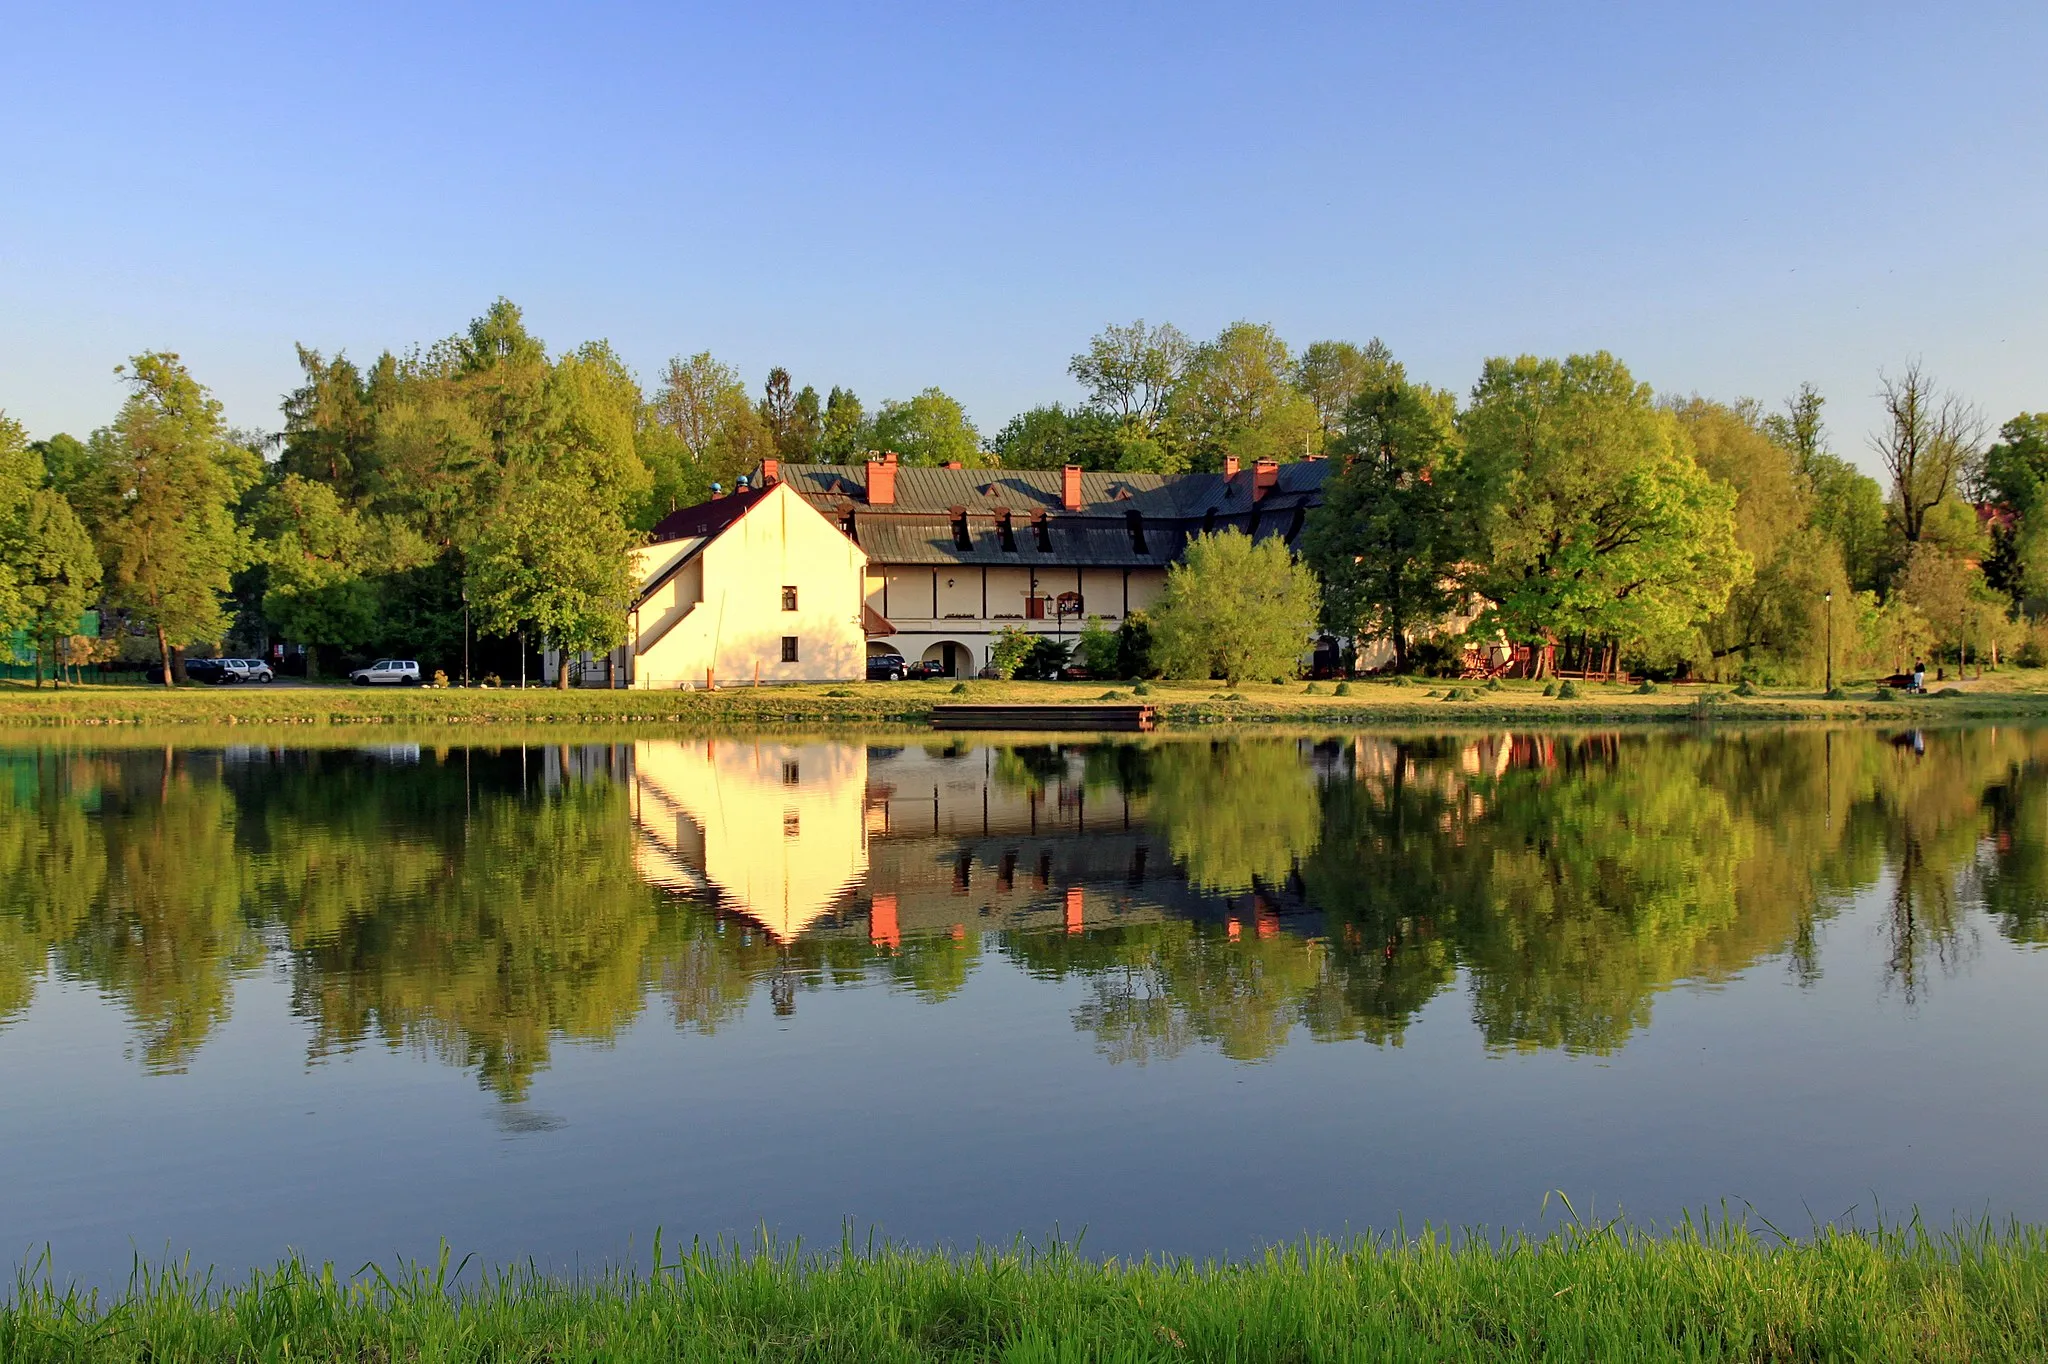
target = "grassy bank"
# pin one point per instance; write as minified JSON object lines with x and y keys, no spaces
{"x":1725,"y":1294}
{"x":2013,"y":694}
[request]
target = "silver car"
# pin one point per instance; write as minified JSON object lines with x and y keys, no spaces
{"x":396,"y":672}
{"x":245,"y":670}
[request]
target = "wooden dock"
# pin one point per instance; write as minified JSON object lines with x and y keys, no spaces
{"x":1110,"y":718}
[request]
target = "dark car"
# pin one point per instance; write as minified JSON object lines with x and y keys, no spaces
{"x":206,"y":670}
{"x":925,"y":671}
{"x":887,"y":668}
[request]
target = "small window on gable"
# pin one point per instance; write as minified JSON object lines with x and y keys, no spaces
{"x":788,"y":598}
{"x":1006,"y":534}
{"x":1042,"y":530}
{"x":789,"y":649}
{"x":1135,"y":521}
{"x":961,"y":538}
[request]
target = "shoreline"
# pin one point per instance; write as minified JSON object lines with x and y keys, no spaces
{"x":2010,"y":696}
{"x":1714,"y":1290}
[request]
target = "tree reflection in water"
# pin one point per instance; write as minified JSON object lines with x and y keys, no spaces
{"x":483,"y":906}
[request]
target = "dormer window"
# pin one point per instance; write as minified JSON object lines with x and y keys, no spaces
{"x":1006,"y":534}
{"x":1042,"y":529}
{"x":1135,"y":523}
{"x":1209,"y":521}
{"x":1295,"y":523}
{"x":961,"y":538}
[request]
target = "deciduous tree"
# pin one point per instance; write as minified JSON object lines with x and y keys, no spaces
{"x":160,"y":502}
{"x":1399,"y":520}
{"x":1236,"y":396}
{"x":1603,"y":525}
{"x":931,"y":428}
{"x":1235,"y":608}
{"x":1929,"y":445}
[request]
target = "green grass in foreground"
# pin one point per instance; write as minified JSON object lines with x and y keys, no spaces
{"x":1722,"y":1293}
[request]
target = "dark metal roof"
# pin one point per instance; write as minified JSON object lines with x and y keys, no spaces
{"x":918,"y":528}
{"x":706,"y":518}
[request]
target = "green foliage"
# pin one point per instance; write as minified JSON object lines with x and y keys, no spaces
{"x":1046,"y":657}
{"x":1097,"y":650}
{"x":1400,"y":519}
{"x":1343,"y":689}
{"x":1746,"y":688}
{"x":931,"y":428}
{"x":1052,"y":437}
{"x":1605,"y":525}
{"x":159,"y":499}
{"x":553,"y":558}
{"x":1134,"y":646}
{"x":1141,"y":690}
{"x":1647,"y":688}
{"x":1233,"y":608}
{"x":1333,"y":375}
{"x":1236,"y":396}
{"x":48,"y":568}
{"x":1567,"y":691}
{"x":1008,"y":650}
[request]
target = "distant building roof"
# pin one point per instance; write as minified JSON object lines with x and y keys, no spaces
{"x":919,"y":526}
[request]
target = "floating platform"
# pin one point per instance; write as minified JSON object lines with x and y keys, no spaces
{"x":1110,"y":718}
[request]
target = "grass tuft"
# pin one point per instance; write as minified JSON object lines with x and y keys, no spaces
{"x":1711,"y":1290}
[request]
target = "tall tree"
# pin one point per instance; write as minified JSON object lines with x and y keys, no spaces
{"x":1604,"y":524}
{"x":1129,"y":371}
{"x":704,"y":403}
{"x":793,"y":418}
{"x":2016,"y":464}
{"x":1051,"y":436}
{"x":1398,"y":520}
{"x":554,"y":557}
{"x":1776,"y":617}
{"x":1234,"y":608}
{"x":1334,"y":373}
{"x":160,"y":501}
{"x":931,"y":428}
{"x":1236,"y":396}
{"x":1928,"y":444}
{"x":843,"y":437}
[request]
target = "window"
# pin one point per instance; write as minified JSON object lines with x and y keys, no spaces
{"x":1042,"y":528}
{"x":789,"y":649}
{"x":1005,"y":533}
{"x":1136,"y":522}
{"x":789,"y":598}
{"x":961,"y":538}
{"x":791,"y":772}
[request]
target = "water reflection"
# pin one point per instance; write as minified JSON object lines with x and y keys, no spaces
{"x":485,"y":905}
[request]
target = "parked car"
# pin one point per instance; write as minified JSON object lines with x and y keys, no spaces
{"x":923,"y":671}
{"x":397,"y":672}
{"x":206,"y":670}
{"x":887,"y":668}
{"x":245,"y":670}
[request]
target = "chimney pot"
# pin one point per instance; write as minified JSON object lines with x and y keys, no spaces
{"x":1070,"y":487}
{"x":955,"y":464}
{"x":1230,"y":466}
{"x":881,"y":482}
{"x":1264,"y":475}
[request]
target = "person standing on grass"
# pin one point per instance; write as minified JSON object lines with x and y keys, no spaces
{"x":1920,"y":676}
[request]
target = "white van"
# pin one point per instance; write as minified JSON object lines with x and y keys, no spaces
{"x":399,"y":672}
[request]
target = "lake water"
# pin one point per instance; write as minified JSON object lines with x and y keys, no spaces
{"x":1184,"y":995}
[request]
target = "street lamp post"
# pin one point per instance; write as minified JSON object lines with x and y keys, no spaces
{"x":1829,"y":598}
{"x":465,"y":635}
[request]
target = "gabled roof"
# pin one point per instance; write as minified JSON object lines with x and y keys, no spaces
{"x":924,"y":490}
{"x":706,"y":519}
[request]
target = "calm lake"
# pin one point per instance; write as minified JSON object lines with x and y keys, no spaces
{"x":1184,"y":995}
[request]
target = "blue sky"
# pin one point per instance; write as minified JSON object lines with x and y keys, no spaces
{"x":1733,"y":198}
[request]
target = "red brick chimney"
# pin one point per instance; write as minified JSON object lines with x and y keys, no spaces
{"x":1264,"y":475}
{"x":881,"y":481}
{"x":1070,"y":487}
{"x":955,"y":464}
{"x":1230,"y":466}
{"x":771,"y":472}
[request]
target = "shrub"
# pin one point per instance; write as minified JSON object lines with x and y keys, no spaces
{"x":440,"y":678}
{"x":1494,"y":684}
{"x":1567,"y":691}
{"x":1097,"y":649}
{"x":841,"y":691}
{"x":959,"y":689}
{"x":1312,"y":690}
{"x":1046,"y":657}
{"x":1343,"y":689}
{"x":1008,"y":650}
{"x":1550,"y":688}
{"x":1951,"y":691}
{"x":1114,"y":695}
{"x":1648,"y":688}
{"x":1745,"y":688}
{"x":1134,"y":647}
{"x":1834,"y":694}
{"x":1142,"y":689}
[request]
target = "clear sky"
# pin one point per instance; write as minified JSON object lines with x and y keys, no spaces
{"x":1732,"y":197}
